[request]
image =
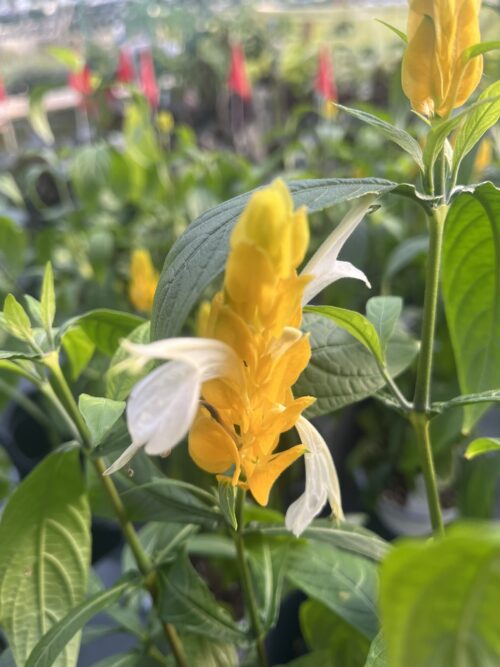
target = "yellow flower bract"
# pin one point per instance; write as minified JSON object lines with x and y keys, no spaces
{"x":143,"y":281}
{"x":436,"y":76}
{"x":257,"y":313}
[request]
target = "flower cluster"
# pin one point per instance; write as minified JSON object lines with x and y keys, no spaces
{"x":231,"y":388}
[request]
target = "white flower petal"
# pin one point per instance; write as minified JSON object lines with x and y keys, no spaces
{"x":322,"y":483}
{"x":322,"y":263}
{"x":162,"y":406}
{"x":329,"y":275}
{"x":123,"y":459}
{"x":212,"y":358}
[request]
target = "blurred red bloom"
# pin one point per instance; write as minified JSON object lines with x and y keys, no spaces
{"x":237,"y":79}
{"x":147,"y":77}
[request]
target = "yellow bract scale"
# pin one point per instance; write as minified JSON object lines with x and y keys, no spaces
{"x":257,"y":313}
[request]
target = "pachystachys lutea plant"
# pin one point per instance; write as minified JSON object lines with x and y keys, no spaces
{"x":242,"y":387}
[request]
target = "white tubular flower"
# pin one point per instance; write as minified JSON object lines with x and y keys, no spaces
{"x":163,"y":405}
{"x":323,"y":265}
{"x":322,"y":483}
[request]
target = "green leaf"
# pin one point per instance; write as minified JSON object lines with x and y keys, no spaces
{"x":377,"y":655}
{"x":211,"y":546}
{"x":45,"y":554}
{"x":28,"y":356}
{"x":48,"y":650}
{"x":384,"y":312}
{"x":204,"y":652}
{"x":105,"y":328}
{"x":471,"y":291}
{"x":186,"y":602}
{"x":16,"y":320}
{"x":395,"y":30}
{"x":478,"y":49}
{"x":341,"y":370}
{"x":441,"y":129}
{"x":492,"y":396}
{"x":346,"y":536}
{"x":48,"y":299}
{"x":227,"y":502}
{"x":120,"y":378}
{"x":10,"y":189}
{"x":476,"y":124}
{"x":169,"y":500}
{"x":161,"y":541}
{"x":355,"y":324}
{"x":439,"y":600}
{"x":79,"y":349}
{"x":394,"y":134}
{"x":345,"y":583}
{"x":268,"y":559}
{"x":130,"y":659}
{"x":199,"y":255}
{"x":38,"y":116}
{"x":100,"y":414}
{"x":482,"y":446}
{"x":324,"y":630}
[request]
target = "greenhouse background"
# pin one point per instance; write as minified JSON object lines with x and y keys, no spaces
{"x":125,"y":124}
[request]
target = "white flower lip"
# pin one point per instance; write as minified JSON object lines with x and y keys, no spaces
{"x":323,"y":265}
{"x":322,"y":482}
{"x":163,"y":405}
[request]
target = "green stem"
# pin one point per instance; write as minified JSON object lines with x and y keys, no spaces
{"x":396,"y":392}
{"x":421,"y":425}
{"x":246,"y":581}
{"x":68,"y":404}
{"x":421,"y":402}
{"x":424,"y":368}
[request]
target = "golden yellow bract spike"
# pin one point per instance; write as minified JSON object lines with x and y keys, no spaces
{"x":257,"y":313}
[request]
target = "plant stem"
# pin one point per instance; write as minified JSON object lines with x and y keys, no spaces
{"x":421,"y":425}
{"x":246,"y":581}
{"x":421,"y":402}
{"x":424,"y":368}
{"x":68,"y":404}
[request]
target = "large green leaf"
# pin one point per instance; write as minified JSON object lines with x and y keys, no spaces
{"x":45,"y":553}
{"x":391,"y":132}
{"x":186,"y":602}
{"x":341,"y":370}
{"x":439,"y":600}
{"x":324,"y":630}
{"x":345,"y":583}
{"x":46,"y":653}
{"x":383,"y":312}
{"x":471,"y":291}
{"x":200,"y":253}
{"x":204,"y":652}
